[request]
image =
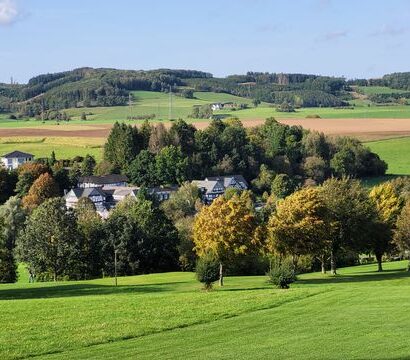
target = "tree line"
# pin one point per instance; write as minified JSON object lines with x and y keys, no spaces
{"x":290,"y":156}
{"x":315,"y":227}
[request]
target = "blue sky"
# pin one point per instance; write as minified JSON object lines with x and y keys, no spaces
{"x":365,"y":38}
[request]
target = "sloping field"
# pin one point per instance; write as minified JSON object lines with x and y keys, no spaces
{"x":359,"y":314}
{"x":396,"y":152}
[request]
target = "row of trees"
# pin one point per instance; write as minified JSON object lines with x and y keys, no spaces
{"x":226,"y":147}
{"x":58,"y":243}
{"x":318,"y":222}
{"x":314,"y":225}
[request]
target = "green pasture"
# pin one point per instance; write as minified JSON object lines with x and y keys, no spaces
{"x":374,"y":90}
{"x":147,"y":102}
{"x":363,"y":112}
{"x":396,"y":152}
{"x":359,"y":314}
{"x":64,"y":147}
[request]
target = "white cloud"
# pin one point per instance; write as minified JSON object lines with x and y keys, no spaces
{"x":388,"y":30}
{"x":8,"y":12}
{"x":332,"y":36}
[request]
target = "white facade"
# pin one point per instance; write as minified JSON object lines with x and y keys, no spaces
{"x":14,"y":159}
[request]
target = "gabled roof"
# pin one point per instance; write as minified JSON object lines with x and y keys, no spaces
{"x":209,"y":186}
{"x":102,"y":180}
{"x":86,"y":192}
{"x":228,"y":179}
{"x":17,"y":154}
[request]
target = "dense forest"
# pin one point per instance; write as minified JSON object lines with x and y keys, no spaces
{"x":85,"y":87}
{"x":287,"y":156}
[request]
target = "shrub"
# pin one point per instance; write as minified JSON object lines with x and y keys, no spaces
{"x":285,"y":107}
{"x":207,"y":271}
{"x":282,"y":273}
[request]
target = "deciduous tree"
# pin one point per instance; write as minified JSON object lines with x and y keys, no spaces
{"x":43,"y":188}
{"x":225,"y":228}
{"x":388,"y":206}
{"x":300,"y":226}
{"x":50,"y":242}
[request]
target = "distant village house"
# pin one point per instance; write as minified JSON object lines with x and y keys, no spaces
{"x":14,"y":159}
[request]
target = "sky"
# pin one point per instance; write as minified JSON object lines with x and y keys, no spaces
{"x":351,"y":38}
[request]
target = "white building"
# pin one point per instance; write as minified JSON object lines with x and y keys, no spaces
{"x":16,"y":158}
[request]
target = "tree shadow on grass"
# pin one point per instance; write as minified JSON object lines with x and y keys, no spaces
{"x":358,"y":277}
{"x":70,"y":290}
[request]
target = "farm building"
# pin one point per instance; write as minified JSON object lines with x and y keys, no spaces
{"x":16,"y":158}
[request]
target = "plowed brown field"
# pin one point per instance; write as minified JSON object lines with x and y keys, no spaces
{"x":364,"y":129}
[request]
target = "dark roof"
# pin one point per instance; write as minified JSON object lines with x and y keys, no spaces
{"x":102,"y":180}
{"x":18,"y":154}
{"x":209,"y":186}
{"x":227,"y":179}
{"x":86,"y":192}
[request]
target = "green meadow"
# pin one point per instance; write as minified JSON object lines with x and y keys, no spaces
{"x":396,"y":152}
{"x":147,"y":103}
{"x":373,"y":90}
{"x":64,"y":147}
{"x":358,"y":314}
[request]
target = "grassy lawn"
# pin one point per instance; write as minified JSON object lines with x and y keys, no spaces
{"x":360,"y":314}
{"x":64,"y":147}
{"x":396,"y":152}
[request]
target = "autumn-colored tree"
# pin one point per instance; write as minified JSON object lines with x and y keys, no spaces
{"x":402,"y":231}
{"x":27,"y":174}
{"x":300,"y":226}
{"x":388,"y":206}
{"x":42,"y":189}
{"x":225,"y":229}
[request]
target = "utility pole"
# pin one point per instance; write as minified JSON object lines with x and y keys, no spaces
{"x":170,"y":103}
{"x":130,"y":105}
{"x":115,"y":266}
{"x":42,"y":109}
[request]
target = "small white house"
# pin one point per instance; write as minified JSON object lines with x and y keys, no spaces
{"x":216,"y":106}
{"x":16,"y":158}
